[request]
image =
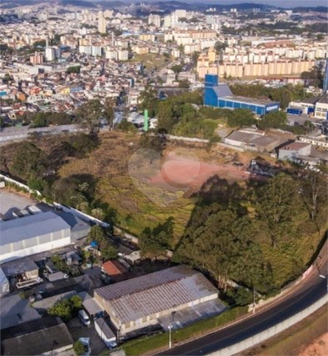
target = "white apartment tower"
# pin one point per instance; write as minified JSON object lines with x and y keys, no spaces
{"x":154,"y":19}
{"x":101,"y":22}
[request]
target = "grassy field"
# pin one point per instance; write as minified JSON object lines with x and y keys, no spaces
{"x":292,"y":340}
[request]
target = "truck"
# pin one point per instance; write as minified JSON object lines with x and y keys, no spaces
{"x":105,"y":333}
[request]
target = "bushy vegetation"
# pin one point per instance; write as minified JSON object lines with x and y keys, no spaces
{"x":66,"y":308}
{"x":98,"y":234}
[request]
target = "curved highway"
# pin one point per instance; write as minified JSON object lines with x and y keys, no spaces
{"x":309,"y":291}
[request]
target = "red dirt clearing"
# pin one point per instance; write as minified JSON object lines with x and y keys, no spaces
{"x":181,"y":172}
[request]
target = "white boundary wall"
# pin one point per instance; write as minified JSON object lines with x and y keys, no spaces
{"x":274,"y":330}
{"x":6,"y":179}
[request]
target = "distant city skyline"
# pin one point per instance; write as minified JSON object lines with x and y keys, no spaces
{"x":281,"y":3}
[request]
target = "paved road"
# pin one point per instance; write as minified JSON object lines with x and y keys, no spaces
{"x":306,"y":294}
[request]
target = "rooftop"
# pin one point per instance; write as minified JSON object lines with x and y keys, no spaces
{"x":242,"y":99}
{"x":295,"y":146}
{"x":35,"y":337}
{"x":323,"y":99}
{"x":156,"y":292}
{"x":19,"y":266}
{"x":30,"y":226}
{"x":113,"y":268}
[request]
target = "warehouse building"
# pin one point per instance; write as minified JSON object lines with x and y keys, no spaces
{"x":148,"y":300}
{"x":32,"y":234}
{"x":219,"y":95}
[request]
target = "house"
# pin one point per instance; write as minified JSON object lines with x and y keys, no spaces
{"x":15,"y":310}
{"x":48,"y":335}
{"x":141,"y":302}
{"x":114,"y":269}
{"x":25,"y":271}
{"x":294,"y":151}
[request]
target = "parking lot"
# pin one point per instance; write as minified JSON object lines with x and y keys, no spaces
{"x":77,"y":330}
{"x":10,"y":202}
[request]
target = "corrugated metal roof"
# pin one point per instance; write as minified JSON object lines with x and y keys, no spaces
{"x":156,"y":292}
{"x":222,"y":90}
{"x":30,"y":226}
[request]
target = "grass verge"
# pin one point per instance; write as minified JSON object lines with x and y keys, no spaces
{"x":146,"y":344}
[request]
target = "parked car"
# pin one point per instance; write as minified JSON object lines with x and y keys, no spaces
{"x":84,"y":317}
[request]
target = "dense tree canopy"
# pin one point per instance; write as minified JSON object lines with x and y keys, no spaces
{"x":237,"y":233}
{"x":29,"y":161}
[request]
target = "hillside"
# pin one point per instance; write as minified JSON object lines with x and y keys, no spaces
{"x":196,"y":199}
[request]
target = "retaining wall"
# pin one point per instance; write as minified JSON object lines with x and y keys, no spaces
{"x":13,"y":181}
{"x":274,"y":330}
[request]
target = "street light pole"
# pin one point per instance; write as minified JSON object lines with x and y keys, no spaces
{"x":253,"y":300}
{"x":170,"y":336}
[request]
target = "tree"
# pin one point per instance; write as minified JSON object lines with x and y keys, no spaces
{"x":274,"y":119}
{"x":40,"y":120}
{"x":109,"y":252}
{"x":109,"y":112}
{"x":148,"y":99}
{"x":126,"y":126}
{"x":29,"y":161}
{"x":308,"y":125}
{"x":37,"y":184}
{"x":176,"y":69}
{"x":314,"y":191}
{"x":156,"y":142}
{"x":220,"y":46}
{"x":90,"y":113}
{"x":98,"y":234}
{"x":277,"y":204}
{"x":74,"y":69}
{"x":62,"y":309}
{"x":151,"y":246}
{"x":184,"y":83}
{"x":241,"y":118}
{"x":79,"y":348}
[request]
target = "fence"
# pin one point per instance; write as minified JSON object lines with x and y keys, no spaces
{"x":274,"y":330}
{"x":21,"y":185}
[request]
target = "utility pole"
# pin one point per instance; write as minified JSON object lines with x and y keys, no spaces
{"x":253,"y":300}
{"x":170,"y":335}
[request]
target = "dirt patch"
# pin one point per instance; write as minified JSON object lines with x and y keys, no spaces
{"x":318,"y":348}
{"x":181,"y":172}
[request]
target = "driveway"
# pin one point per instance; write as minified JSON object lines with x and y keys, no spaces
{"x":77,"y":330}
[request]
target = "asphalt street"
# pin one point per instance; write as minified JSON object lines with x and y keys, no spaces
{"x":308,"y":293}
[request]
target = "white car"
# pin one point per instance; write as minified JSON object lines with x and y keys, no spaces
{"x":84,"y":317}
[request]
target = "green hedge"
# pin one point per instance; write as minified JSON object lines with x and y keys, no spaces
{"x":145,"y":344}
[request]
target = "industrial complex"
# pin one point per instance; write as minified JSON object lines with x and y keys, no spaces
{"x":219,"y":95}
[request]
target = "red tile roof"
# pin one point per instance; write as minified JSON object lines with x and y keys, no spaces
{"x":113,"y":268}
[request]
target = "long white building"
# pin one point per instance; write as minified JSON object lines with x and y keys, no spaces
{"x":32,"y":234}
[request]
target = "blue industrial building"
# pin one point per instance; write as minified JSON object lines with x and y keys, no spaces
{"x":219,"y":95}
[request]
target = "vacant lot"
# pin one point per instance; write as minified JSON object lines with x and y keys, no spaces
{"x":10,"y":202}
{"x":155,"y":190}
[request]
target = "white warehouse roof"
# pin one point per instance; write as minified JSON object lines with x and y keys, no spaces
{"x":30,"y":227}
